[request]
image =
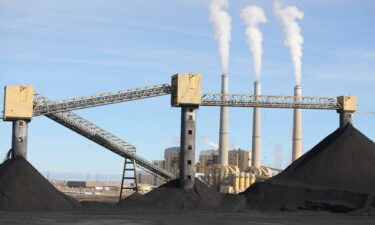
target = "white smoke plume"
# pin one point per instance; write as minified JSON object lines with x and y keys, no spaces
{"x":221,"y":21}
{"x":293,"y":38}
{"x":253,"y":16}
{"x":209,"y":143}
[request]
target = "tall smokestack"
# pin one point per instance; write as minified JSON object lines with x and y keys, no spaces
{"x":256,"y":148}
{"x":297,"y":126}
{"x":223,"y":133}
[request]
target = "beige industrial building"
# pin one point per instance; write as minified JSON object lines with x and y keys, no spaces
{"x":161,"y":164}
{"x":172,"y":160}
{"x":208,"y":157}
{"x":144,"y":178}
{"x":240,"y":158}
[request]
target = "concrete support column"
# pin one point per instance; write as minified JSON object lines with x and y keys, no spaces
{"x":187,"y":146}
{"x":345,"y":118}
{"x":19,"y":138}
{"x":223,"y":133}
{"x":297,"y":127}
{"x":256,"y":141}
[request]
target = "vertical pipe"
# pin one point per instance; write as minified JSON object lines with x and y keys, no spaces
{"x":187,"y":146}
{"x":223,"y":133}
{"x":297,"y":126}
{"x":256,"y":147}
{"x":19,"y":138}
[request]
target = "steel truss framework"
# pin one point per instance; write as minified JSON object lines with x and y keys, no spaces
{"x":48,"y":107}
{"x":60,"y":111}
{"x":102,"y":137}
{"x":232,"y":100}
{"x":269,"y":101}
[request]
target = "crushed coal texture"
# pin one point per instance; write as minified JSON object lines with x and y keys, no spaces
{"x":169,"y":196}
{"x":23,"y":188}
{"x":337,"y":175}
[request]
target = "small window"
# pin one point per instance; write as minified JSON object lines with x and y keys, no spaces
{"x":190,"y":117}
{"x":20,"y":124}
{"x":189,"y":177}
{"x":19,"y":139}
{"x":190,"y":147}
{"x":190,"y":132}
{"x":189,"y":162}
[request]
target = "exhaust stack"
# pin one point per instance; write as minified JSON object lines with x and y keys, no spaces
{"x":223,"y":133}
{"x":297,"y":126}
{"x":256,"y":141}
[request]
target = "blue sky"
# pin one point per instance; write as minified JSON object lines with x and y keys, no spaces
{"x":76,"y":48}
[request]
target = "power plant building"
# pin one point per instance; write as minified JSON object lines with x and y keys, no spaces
{"x":208,"y":157}
{"x":240,"y":158}
{"x":172,"y":160}
{"x":161,"y":164}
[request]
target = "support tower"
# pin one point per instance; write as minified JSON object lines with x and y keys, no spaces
{"x":186,"y":93}
{"x":18,"y":108}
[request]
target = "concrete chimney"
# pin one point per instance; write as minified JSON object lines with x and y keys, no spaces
{"x":256,"y":148}
{"x":223,"y":133}
{"x":297,"y":127}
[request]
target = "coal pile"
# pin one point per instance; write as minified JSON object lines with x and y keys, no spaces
{"x":337,"y":175}
{"x":23,"y":188}
{"x":170,"y":197}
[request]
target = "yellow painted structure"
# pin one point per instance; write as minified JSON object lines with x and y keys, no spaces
{"x":187,"y":89}
{"x":18,"y":102}
{"x":242,"y":181}
{"x":144,"y":187}
{"x":247,"y":180}
{"x":252,"y":179}
{"x":240,"y":158}
{"x":348,"y":103}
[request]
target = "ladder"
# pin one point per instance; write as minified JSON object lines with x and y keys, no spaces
{"x":129,"y":173}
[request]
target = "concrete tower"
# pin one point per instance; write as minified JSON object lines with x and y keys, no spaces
{"x":19,"y":138}
{"x":297,"y":126}
{"x":256,"y":148}
{"x":223,"y":133}
{"x":187,"y":146}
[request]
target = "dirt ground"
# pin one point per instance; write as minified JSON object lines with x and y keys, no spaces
{"x":114,"y":216}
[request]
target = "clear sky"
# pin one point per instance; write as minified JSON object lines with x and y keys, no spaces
{"x":74,"y":48}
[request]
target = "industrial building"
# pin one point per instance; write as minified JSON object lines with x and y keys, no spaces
{"x":172,"y":159}
{"x":208,"y":157}
{"x":157,"y":181}
{"x":240,"y":158}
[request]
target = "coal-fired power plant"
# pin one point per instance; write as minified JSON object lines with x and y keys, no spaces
{"x":297,"y":126}
{"x":223,"y":133}
{"x":256,"y":141}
